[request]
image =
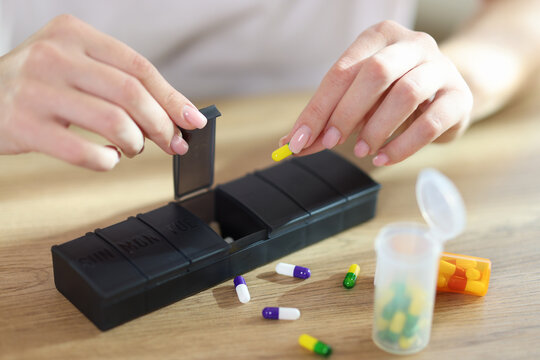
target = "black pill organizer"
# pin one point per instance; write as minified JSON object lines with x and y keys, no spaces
{"x":148,"y":261}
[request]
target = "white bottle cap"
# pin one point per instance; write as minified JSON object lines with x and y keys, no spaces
{"x":441,"y":205}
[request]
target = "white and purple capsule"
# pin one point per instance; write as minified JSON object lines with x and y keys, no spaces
{"x":281,"y":313}
{"x":293,"y":270}
{"x":241,"y":289}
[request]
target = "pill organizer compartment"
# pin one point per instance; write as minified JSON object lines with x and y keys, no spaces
{"x":407,"y":263}
{"x":150,"y":260}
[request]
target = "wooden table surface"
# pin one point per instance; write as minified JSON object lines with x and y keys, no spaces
{"x":495,"y":166}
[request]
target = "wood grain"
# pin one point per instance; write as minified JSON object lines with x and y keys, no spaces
{"x":496,"y":166}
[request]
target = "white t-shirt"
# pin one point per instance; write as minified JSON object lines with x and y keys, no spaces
{"x":208,"y":48}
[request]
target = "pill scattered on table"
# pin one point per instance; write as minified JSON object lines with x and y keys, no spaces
{"x":352,"y":275}
{"x":314,"y":345}
{"x":293,"y":270}
{"x":241,"y":289}
{"x":281,"y":313}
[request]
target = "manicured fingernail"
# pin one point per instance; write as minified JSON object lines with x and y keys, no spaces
{"x":118,"y":153}
{"x":142,"y":149}
{"x":361,"y":149}
{"x":194,"y":116}
{"x":331,"y":137}
{"x":179,"y":145}
{"x":112,"y":156}
{"x":131,"y":135}
{"x":300,"y":139}
{"x":380,"y":160}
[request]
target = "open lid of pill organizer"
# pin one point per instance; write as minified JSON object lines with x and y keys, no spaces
{"x":441,"y":204}
{"x":194,"y":171}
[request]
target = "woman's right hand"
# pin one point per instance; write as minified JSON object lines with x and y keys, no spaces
{"x":70,"y":73}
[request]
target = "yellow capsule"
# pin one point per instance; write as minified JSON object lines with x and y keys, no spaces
{"x":281,"y":153}
{"x":405,"y":342}
{"x":307,"y":341}
{"x":397,"y":323}
{"x":418,"y":302}
{"x":473,"y":274}
{"x":466,"y":263}
{"x":355,"y":269}
{"x":449,"y":269}
{"x":381,"y":323}
{"x":442,"y":281}
{"x":476,"y":287}
{"x":446,"y":268}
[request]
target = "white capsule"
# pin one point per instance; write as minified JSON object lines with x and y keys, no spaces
{"x":243,"y":293}
{"x":241,"y":289}
{"x":293,"y":270}
{"x":281,"y":313}
{"x":285,"y":269}
{"x":289,"y":313}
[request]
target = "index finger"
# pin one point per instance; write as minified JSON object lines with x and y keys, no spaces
{"x":338,"y":79}
{"x":108,"y":50}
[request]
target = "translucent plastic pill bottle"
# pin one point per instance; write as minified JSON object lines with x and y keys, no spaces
{"x":407,"y":266}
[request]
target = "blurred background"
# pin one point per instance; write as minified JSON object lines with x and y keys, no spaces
{"x":440,"y":18}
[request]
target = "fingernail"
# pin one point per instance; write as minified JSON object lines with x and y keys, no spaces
{"x":112,"y":157}
{"x":331,"y":137}
{"x":300,"y":139}
{"x":179,"y":145}
{"x":118,"y":153}
{"x":194,"y":116}
{"x":132,"y":135}
{"x":380,"y":160}
{"x":142,"y":149}
{"x":282,"y":141}
{"x":361,"y":149}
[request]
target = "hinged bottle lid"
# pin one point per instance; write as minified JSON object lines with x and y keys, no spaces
{"x":441,"y":204}
{"x":194,"y":171}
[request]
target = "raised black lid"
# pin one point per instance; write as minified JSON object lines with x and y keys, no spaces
{"x":195,"y":170}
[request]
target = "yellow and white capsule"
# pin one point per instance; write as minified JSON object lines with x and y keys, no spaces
{"x":281,"y":153}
